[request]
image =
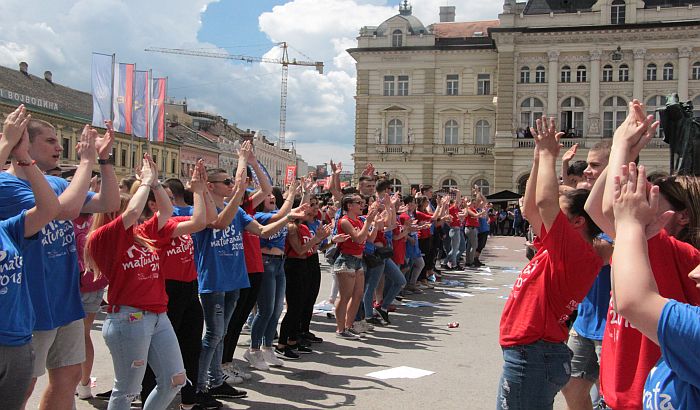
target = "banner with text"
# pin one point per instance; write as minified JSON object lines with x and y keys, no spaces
{"x":102,"y":73}
{"x":290,"y":175}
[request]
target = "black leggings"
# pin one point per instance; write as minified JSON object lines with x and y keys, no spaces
{"x":185,"y":314}
{"x":482,"y":238}
{"x":247,"y":299}
{"x":297,"y":274}
{"x":314,"y":268}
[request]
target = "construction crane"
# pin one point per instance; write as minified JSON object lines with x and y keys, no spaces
{"x":284,"y":61}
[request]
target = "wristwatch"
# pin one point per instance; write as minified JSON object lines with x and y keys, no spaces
{"x":109,"y":160}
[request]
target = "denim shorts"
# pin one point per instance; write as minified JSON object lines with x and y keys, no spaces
{"x":346,"y":263}
{"x":585,"y":363}
{"x":92,"y":301}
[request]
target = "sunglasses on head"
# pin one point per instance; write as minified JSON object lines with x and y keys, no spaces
{"x":227,"y":181}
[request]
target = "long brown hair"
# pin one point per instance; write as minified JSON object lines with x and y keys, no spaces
{"x":101,"y":219}
{"x":683,"y":193}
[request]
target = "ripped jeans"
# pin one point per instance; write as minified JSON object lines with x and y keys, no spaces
{"x":135,"y":337}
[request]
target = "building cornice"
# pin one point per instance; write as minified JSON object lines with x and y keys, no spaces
{"x":608,"y":27}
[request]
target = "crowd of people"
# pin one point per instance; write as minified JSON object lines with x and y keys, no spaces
{"x":607,"y":303}
{"x":619,"y":248}
{"x":180,"y":269}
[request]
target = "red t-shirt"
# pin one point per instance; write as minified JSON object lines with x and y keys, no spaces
{"x":133,"y":270}
{"x":349,"y":247}
{"x":454,"y":213}
{"x":304,"y":234}
{"x":400,"y":245}
{"x":628,"y":356}
{"x":177,"y":256}
{"x":424,"y":218}
{"x":251,"y":244}
{"x":550,"y":287}
{"x":472,"y":221}
{"x":88,"y":283}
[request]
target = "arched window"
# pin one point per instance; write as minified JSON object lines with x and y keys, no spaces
{"x":395,"y":185}
{"x":566,"y":74}
{"x":607,"y":73}
{"x":696,"y":71}
{"x":483,"y":133}
{"x":483,"y":185}
{"x":617,"y":12}
{"x":654,"y":103}
{"x":668,"y":72}
{"x":614,"y":113}
{"x":530,"y":110}
{"x":396,"y":38}
{"x":522,"y":183}
{"x":651,"y":72}
{"x":448,"y":184}
{"x":395,"y":135}
{"x":539,"y":75}
{"x":525,"y":75}
{"x":572,"y":109}
{"x":623,"y":73}
{"x":451,"y":132}
{"x":581,"y":74}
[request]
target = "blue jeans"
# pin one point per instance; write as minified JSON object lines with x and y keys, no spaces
{"x":372,"y":277}
{"x":532,"y":375}
{"x":455,"y":240}
{"x":270,"y":302}
{"x":218,"y":308}
{"x":393,"y":283}
{"x":135,"y":337}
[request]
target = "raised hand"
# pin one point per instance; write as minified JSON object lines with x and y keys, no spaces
{"x":546,"y":136}
{"x":86,"y":146}
{"x":369,"y":169}
{"x":104,"y":143}
{"x":15,"y":124}
{"x":149,"y":172}
{"x":198,"y":181}
{"x":341,"y":237}
{"x":570,"y":153}
{"x":246,"y":150}
{"x":635,"y":201}
{"x":21,"y":151}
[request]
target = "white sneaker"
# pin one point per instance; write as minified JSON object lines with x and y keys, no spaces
{"x":256,"y":360}
{"x":83,"y":392}
{"x":230,"y":375}
{"x":368,"y":327}
{"x":238,"y":372}
{"x":271,"y":358}
{"x":357,"y":329}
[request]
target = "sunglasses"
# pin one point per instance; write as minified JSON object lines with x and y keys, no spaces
{"x":227,"y":181}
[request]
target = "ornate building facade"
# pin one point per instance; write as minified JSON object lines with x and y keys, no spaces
{"x":449,"y":104}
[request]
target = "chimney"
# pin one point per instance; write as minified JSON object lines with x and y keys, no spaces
{"x":24,"y":68}
{"x":48,"y":76}
{"x":447,"y":14}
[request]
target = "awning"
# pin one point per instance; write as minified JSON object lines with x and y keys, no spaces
{"x":504,"y":196}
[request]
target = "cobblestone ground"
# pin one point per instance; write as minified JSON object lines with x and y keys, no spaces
{"x":466,"y":361}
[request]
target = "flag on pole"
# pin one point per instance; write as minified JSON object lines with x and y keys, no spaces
{"x":140,"y":113}
{"x":102,"y":75}
{"x":158,"y":92}
{"x":123,"y":97}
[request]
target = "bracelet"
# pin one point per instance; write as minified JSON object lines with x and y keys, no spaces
{"x":26,"y":163}
{"x":108,"y":161}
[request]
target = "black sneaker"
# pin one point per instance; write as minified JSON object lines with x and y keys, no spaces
{"x":375,"y":320}
{"x":205,"y":401}
{"x":384,"y":314}
{"x":312,"y":337}
{"x":104,"y":396}
{"x":399,"y":298}
{"x":303,"y":342}
{"x":299,"y":348}
{"x":226,"y":391}
{"x":287,"y":353}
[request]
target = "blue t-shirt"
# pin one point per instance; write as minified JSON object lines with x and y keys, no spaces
{"x":182,"y":210}
{"x":483,"y":223}
{"x":17,"y":319}
{"x":50,"y":262}
{"x":412,"y":249}
{"x":593,"y":310}
{"x":219,"y":256}
{"x":278,"y":239}
{"x":674,"y":383}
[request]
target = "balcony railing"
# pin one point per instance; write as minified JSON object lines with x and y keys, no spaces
{"x":582,"y":142}
{"x":463,"y":149}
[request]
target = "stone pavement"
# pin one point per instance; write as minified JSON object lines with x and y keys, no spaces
{"x":466,"y":361}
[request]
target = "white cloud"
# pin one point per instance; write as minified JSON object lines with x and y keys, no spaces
{"x":59,"y":36}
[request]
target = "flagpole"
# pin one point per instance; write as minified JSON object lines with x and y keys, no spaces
{"x":150,"y":86}
{"x":111,"y":100}
{"x":165,"y":130}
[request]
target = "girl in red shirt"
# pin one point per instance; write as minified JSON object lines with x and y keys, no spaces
{"x":533,"y":324}
{"x":137,"y":329}
{"x":348,"y":266}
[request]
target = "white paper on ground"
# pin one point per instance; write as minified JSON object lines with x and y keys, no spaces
{"x":323,"y":307}
{"x":488,"y":279}
{"x":452,"y":283}
{"x":498,"y":247}
{"x":458,"y":294}
{"x":503,"y":297}
{"x":402,"y":372}
{"x":482,"y":288}
{"x":419,"y":303}
{"x":485,"y":269}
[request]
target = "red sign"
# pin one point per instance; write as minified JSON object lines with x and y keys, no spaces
{"x":290,"y":175}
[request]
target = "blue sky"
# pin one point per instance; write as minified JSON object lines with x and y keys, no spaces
{"x":60,"y":35}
